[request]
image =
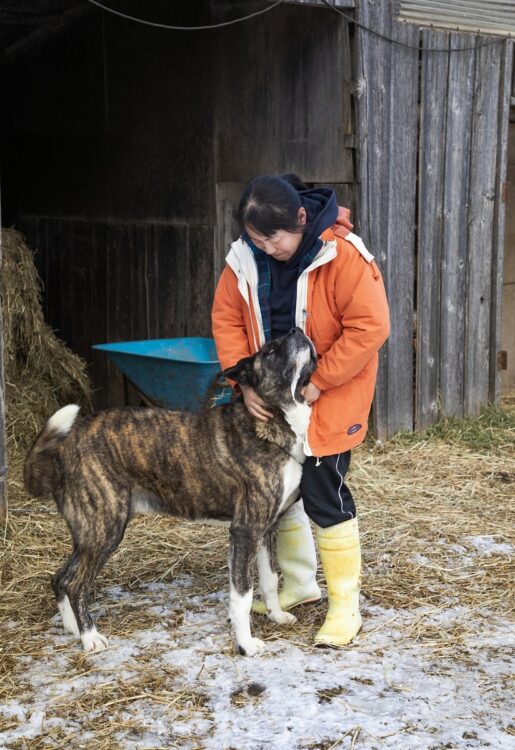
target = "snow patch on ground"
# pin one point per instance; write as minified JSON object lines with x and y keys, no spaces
{"x":390,"y":689}
{"x":486,"y":545}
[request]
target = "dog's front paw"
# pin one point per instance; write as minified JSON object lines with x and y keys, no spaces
{"x":251,"y":647}
{"x":92,"y":640}
{"x":282,"y":618}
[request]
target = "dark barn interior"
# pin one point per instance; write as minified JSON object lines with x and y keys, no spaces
{"x":124,"y":148}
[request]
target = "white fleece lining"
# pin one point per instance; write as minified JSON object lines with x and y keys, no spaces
{"x":360,"y":246}
{"x":241,"y":260}
{"x":326,"y":253}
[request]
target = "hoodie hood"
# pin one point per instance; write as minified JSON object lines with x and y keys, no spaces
{"x":321,"y":213}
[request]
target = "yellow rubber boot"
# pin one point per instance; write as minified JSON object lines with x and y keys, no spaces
{"x":297,"y":561}
{"x":340,"y":554}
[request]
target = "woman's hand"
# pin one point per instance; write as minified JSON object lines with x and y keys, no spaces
{"x":255,"y":403}
{"x":310,"y":393}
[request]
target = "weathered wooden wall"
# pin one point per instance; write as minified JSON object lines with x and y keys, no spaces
{"x":432,"y":164}
{"x":126,"y":149}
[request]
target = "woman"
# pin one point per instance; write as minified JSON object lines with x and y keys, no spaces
{"x":298,"y":263}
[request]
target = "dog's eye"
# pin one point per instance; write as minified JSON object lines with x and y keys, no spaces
{"x":272,"y":350}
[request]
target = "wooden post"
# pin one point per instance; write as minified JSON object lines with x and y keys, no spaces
{"x":485,"y":143}
{"x":499,"y":220}
{"x":3,"y":441}
{"x":433,"y":113}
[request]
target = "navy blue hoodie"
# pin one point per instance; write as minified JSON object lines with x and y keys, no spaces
{"x":321,"y":210}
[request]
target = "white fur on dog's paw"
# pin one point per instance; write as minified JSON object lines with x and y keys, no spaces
{"x":282,"y":618}
{"x":68,"y":617}
{"x":251,"y":647}
{"x":92,"y":640}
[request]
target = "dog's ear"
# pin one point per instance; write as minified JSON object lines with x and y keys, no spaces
{"x":242,"y":372}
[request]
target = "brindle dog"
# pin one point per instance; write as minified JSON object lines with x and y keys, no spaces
{"x":220,"y":464}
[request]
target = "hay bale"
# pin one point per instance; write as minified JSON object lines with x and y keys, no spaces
{"x":41,"y":373}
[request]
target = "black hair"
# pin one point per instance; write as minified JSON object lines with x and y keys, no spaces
{"x":270,"y":203}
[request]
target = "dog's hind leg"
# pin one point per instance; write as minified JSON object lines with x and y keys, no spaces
{"x":88,"y":560}
{"x":269,"y":582}
{"x":242,"y":558}
{"x":59,"y":584}
{"x":78,"y":591}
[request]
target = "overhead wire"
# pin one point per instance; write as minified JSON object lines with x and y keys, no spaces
{"x":185,"y":28}
{"x":331,"y":6}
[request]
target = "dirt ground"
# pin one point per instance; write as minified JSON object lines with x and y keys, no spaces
{"x":431,"y":669}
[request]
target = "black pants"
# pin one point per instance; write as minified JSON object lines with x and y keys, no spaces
{"x":327,"y":499}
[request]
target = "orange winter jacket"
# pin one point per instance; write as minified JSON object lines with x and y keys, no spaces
{"x":341,"y":305}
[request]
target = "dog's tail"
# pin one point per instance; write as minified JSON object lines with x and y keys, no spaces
{"x":41,"y":471}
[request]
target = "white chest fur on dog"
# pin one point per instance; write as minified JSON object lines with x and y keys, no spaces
{"x":291,"y":481}
{"x":298,"y":417}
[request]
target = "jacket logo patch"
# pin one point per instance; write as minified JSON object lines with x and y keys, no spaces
{"x":354,"y":428}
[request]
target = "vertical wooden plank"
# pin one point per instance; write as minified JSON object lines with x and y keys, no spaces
{"x":227,"y":199}
{"x":455,"y":235}
{"x":78,"y":258}
{"x":174,"y":282}
{"x":483,"y":173}
{"x":53,"y":275}
{"x":402,"y":189}
{"x":499,"y":218}
{"x":62,"y":284}
{"x":201,"y":275}
{"x":373,"y":65}
{"x":97,"y":283}
{"x":387,"y":119}
{"x":434,"y":74}
{"x":118,"y":303}
{"x":152,"y":281}
{"x":139,"y":311}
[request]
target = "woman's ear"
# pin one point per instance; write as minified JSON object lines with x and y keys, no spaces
{"x":302,"y":216}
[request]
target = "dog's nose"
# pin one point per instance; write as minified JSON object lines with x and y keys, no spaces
{"x":293,"y":331}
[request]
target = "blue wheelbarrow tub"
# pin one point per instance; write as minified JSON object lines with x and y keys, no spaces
{"x":174,"y":373}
